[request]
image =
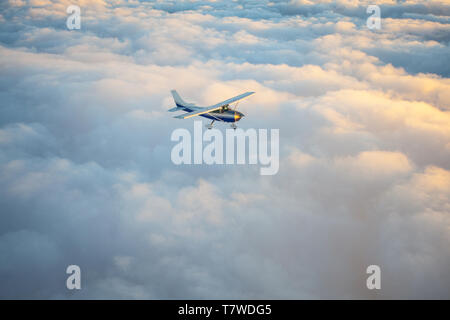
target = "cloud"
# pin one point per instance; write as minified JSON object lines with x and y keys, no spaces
{"x":86,"y":176}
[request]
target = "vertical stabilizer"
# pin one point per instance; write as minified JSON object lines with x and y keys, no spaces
{"x":178,"y":101}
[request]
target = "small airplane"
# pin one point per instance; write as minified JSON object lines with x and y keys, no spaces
{"x":219,"y":112}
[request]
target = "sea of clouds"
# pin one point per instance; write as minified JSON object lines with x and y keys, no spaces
{"x":85,"y":170}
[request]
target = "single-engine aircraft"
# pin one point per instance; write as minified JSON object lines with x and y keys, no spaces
{"x":219,"y":112}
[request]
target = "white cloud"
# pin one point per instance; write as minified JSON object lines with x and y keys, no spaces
{"x":86,"y":176}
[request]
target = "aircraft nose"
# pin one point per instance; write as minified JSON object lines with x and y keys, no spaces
{"x":238,"y":116}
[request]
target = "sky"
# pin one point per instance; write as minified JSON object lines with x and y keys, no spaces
{"x":364,"y":136}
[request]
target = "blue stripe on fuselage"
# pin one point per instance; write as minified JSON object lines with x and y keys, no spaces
{"x":227,"y":116}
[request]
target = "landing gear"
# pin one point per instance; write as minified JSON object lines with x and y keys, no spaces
{"x":234,"y":126}
{"x":210,"y":126}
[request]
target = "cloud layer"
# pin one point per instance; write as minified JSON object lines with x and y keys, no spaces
{"x":85,"y":170}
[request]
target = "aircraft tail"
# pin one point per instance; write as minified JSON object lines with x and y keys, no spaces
{"x":178,"y":101}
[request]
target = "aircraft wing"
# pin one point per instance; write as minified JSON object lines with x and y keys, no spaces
{"x":214,"y":107}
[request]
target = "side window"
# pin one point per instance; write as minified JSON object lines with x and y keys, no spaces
{"x":223,"y":109}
